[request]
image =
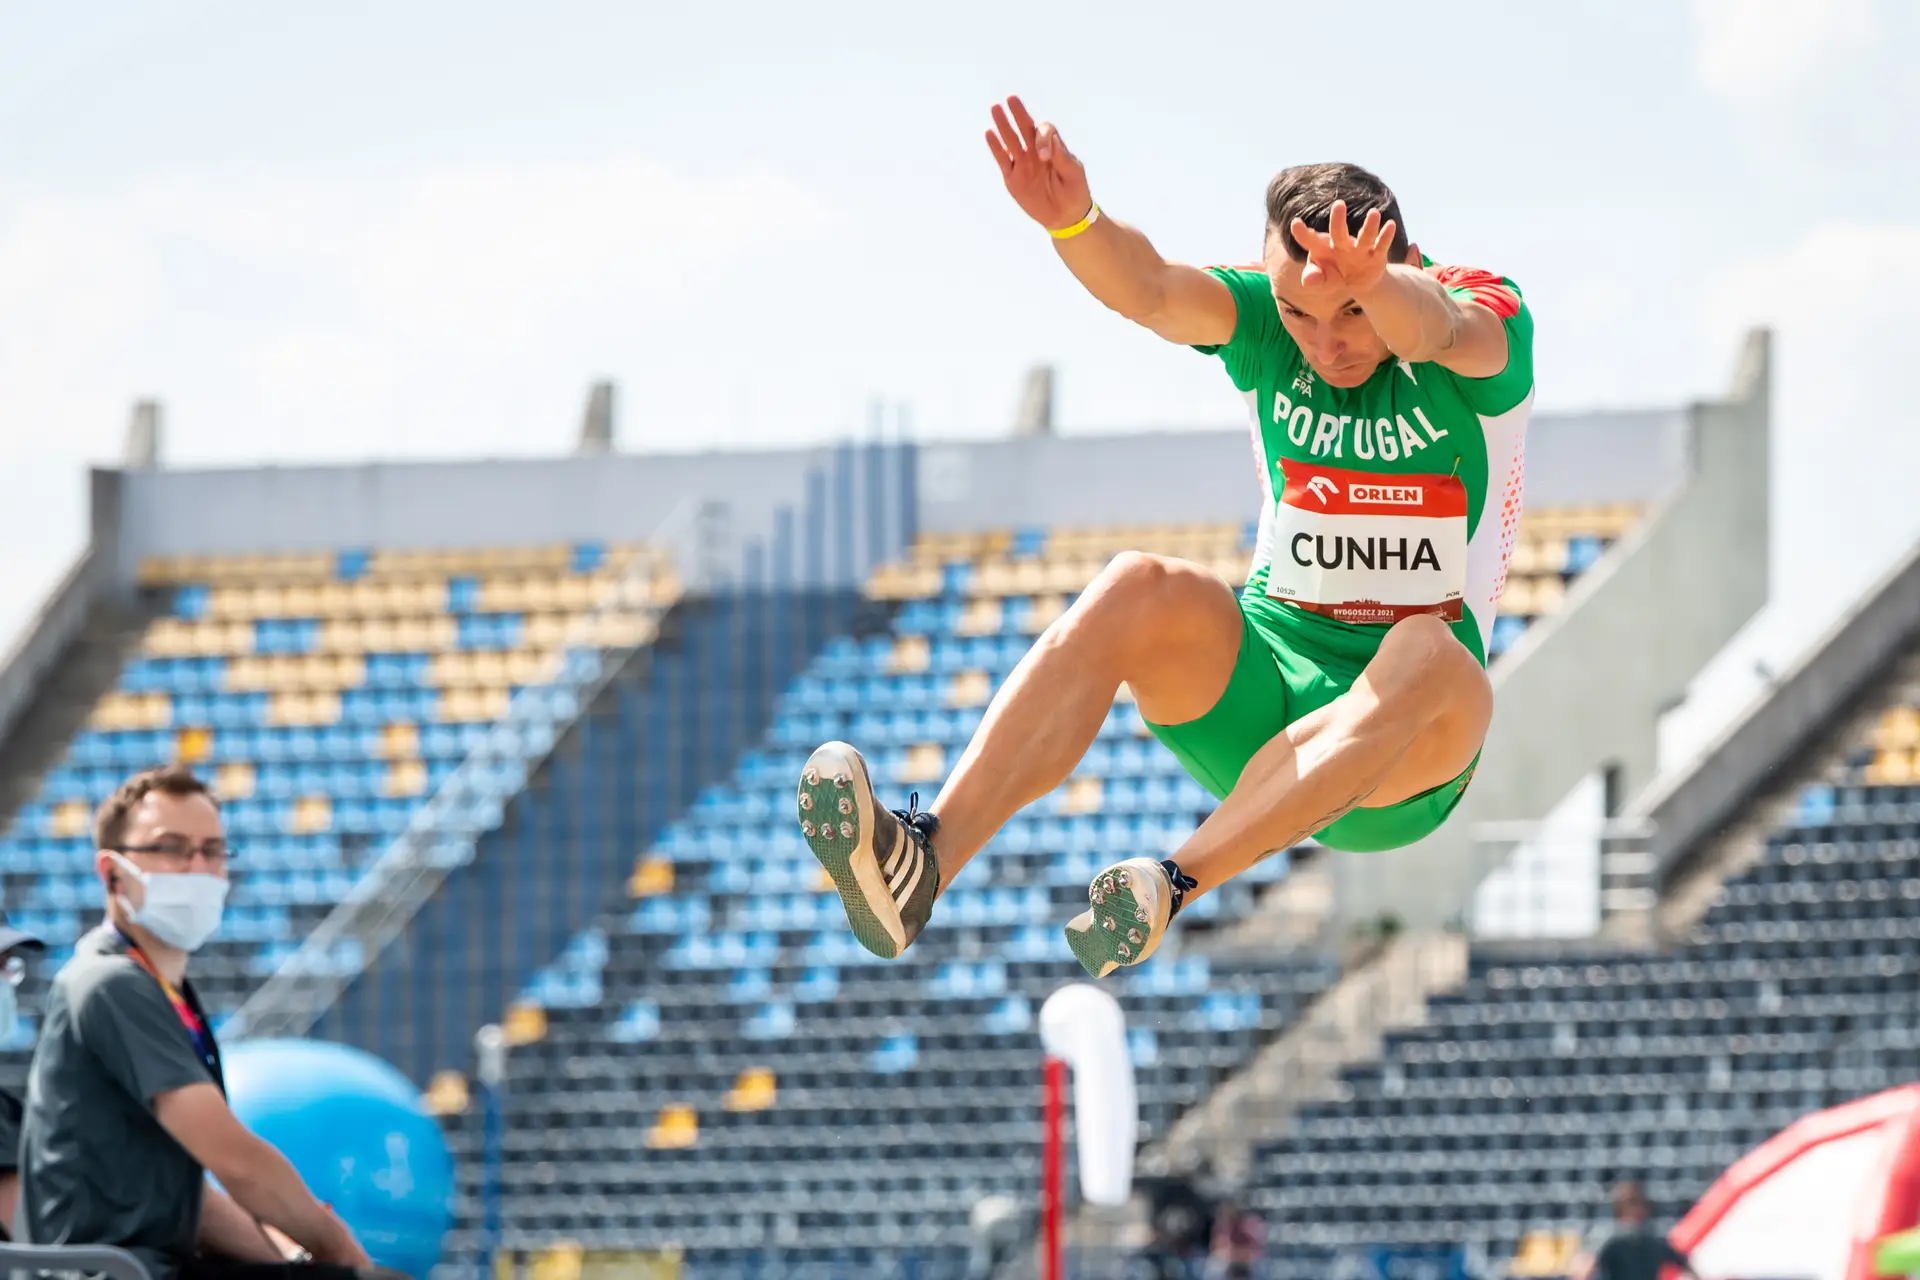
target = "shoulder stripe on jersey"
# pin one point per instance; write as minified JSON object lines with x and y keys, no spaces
{"x":1483,"y":287}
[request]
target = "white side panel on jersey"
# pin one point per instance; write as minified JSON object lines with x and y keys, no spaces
{"x":1491,"y":547}
{"x":1263,"y":540}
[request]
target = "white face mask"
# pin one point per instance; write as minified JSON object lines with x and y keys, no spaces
{"x":181,"y":908}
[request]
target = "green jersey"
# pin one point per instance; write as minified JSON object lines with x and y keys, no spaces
{"x":1397,"y":497}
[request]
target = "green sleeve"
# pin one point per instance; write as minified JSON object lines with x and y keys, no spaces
{"x":1507,"y":389}
{"x":1258,"y":337}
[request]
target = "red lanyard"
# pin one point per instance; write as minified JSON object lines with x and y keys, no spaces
{"x":185,"y":1009}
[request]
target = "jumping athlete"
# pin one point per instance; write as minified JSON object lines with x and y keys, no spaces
{"x":1343,"y":693}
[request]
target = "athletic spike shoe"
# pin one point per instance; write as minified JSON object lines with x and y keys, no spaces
{"x":881,"y":861}
{"x":1130,"y":905}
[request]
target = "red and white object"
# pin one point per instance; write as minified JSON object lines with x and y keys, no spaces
{"x":1362,"y":547}
{"x":1811,"y":1201}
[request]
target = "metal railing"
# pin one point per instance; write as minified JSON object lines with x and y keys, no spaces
{"x":71,"y":1259}
{"x":443,"y":833}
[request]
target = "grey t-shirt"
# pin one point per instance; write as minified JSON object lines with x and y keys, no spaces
{"x":96,"y":1166}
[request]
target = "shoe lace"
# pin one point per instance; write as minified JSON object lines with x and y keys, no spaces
{"x":914,"y":819}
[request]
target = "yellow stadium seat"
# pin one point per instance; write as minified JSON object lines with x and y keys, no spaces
{"x":993,"y":578}
{"x":193,"y":746}
{"x":490,"y":668}
{"x":447,"y":1094}
{"x":502,"y":595}
{"x":650,"y":876}
{"x":309,"y":707}
{"x":399,"y":740}
{"x":1543,"y":1254}
{"x":229,"y":602}
{"x":675,"y":1128}
{"x":1083,"y":795}
{"x":340,"y":636}
{"x":244,"y":674}
{"x":1895,"y":768}
{"x":162,"y":639}
{"x":544,"y":631}
{"x":414,"y":635}
{"x":753,"y":1090}
{"x":237,"y":638}
{"x":911,"y":654}
{"x":234,"y":780}
{"x":981,"y":617}
{"x":531,"y":666}
{"x":1549,"y":592}
{"x":69,"y":818}
{"x":428,"y":596}
{"x":925,"y":762}
{"x":450,"y":670}
{"x":301,"y":602}
{"x":271,"y":600}
{"x":541,"y":595}
{"x":330,"y":599}
{"x":1068,"y":577}
{"x":576,"y":593}
{"x":617,"y":630}
{"x":1029,"y":577}
{"x":561,"y":1260}
{"x":524,"y":1024}
{"x":1538,"y":555}
{"x":312,"y":815}
{"x":1517,"y":597}
{"x":1046,"y":609}
{"x":405,"y":778}
{"x":343,"y":671}
{"x":970,"y":689}
{"x":1898,"y":730}
{"x":159,"y":571}
{"x":113,"y":711}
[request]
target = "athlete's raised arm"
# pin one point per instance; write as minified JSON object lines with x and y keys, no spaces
{"x":1117,"y":264}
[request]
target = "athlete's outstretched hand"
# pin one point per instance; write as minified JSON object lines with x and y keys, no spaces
{"x":1042,"y":176}
{"x":1339,"y":259}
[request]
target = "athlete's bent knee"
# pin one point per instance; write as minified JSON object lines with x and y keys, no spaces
{"x":1422,"y":658}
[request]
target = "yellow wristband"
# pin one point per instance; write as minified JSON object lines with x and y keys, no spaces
{"x":1068,"y":233}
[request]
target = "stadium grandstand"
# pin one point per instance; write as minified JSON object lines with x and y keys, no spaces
{"x":506,"y":749}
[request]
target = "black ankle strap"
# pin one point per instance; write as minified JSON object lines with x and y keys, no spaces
{"x":927,"y":824}
{"x":1181,"y":881}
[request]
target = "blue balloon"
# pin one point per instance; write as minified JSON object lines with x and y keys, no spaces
{"x":358,"y":1132}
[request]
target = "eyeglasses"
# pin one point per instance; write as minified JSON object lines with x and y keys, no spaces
{"x":178,"y":850}
{"x":13,"y":970}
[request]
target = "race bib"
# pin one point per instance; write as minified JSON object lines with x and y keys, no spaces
{"x":1361,"y":547}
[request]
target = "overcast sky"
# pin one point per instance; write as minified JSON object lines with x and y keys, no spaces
{"x":419,"y":230}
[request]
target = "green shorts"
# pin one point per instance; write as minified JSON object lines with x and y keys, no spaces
{"x":1275,"y":682}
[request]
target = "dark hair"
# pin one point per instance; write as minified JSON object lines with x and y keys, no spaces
{"x":110,"y":823}
{"x":1307,"y":192}
{"x":1629,"y":1201}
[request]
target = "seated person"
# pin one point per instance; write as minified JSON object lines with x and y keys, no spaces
{"x":14,"y":946}
{"x":126,"y":1110}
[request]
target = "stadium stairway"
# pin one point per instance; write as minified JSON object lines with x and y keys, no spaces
{"x":669,"y":725}
{"x":53,"y":696}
